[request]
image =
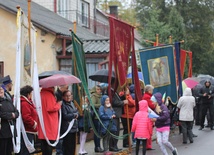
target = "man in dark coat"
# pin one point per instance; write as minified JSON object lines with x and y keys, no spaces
{"x":8,"y":115}
{"x":7,"y":85}
{"x":206,"y":95}
{"x":117,"y":105}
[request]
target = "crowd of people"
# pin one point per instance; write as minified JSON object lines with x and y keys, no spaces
{"x":109,"y":112}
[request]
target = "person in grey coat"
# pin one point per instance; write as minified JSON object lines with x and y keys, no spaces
{"x":186,"y":104}
{"x":69,"y":112}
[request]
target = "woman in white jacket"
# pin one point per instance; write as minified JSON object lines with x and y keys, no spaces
{"x":186,"y":104}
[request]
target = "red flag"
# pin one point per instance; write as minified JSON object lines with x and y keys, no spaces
{"x":190,"y":64}
{"x":182,"y":61}
{"x":121,"y":44}
{"x":120,"y":48}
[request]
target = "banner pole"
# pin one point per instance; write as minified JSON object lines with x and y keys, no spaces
{"x":29,"y":22}
{"x":170,"y":39}
{"x":157,"y":42}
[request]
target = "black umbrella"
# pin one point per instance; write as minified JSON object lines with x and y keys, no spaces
{"x":102,"y":76}
{"x":50,"y":73}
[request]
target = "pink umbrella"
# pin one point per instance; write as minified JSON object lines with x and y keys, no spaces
{"x":57,"y":80}
{"x":190,"y":82}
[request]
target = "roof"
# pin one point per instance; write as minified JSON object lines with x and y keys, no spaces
{"x":46,"y":19}
{"x":92,"y":46}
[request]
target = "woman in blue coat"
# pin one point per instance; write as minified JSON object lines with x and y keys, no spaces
{"x":107,"y":114}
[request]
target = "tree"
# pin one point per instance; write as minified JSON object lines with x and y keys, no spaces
{"x":198,"y":18}
{"x":153,"y":26}
{"x":176,"y":23}
{"x":190,"y":20}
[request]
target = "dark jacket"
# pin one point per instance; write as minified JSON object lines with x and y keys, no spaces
{"x":209,"y":91}
{"x":117,"y":104}
{"x":164,"y":116}
{"x":6,"y":110}
{"x":8,"y":96}
{"x":69,"y":112}
{"x":106,"y":114}
{"x":58,"y":95}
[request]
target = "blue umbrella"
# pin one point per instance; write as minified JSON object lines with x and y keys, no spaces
{"x":140,"y":76}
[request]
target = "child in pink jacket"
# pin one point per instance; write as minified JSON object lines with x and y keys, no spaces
{"x":141,"y":126}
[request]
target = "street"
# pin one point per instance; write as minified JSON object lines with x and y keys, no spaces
{"x":203,"y":144}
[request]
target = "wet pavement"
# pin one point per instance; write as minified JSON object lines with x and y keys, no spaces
{"x":203,"y":144}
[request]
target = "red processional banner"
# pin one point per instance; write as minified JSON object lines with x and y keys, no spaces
{"x":120,"y":48}
{"x":121,"y":45}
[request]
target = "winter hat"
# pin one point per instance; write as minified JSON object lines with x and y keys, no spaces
{"x":103,"y":99}
{"x":132,"y":88}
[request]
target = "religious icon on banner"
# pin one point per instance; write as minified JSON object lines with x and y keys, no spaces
{"x":159,"y":71}
{"x":27,"y":58}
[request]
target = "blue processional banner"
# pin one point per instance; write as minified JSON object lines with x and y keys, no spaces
{"x":157,"y":64}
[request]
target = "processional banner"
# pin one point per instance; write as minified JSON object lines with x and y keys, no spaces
{"x":158,"y":67}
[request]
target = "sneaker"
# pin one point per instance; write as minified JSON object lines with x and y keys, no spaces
{"x":175,"y":152}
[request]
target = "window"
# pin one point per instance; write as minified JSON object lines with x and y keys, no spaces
{"x":1,"y":69}
{"x":62,"y":8}
{"x":84,"y":13}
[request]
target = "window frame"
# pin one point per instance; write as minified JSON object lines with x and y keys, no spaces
{"x":1,"y":69}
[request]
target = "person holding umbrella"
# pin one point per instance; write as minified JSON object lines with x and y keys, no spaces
{"x":50,"y":112}
{"x":206,"y":94}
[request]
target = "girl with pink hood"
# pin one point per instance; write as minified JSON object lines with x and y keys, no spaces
{"x":141,"y":126}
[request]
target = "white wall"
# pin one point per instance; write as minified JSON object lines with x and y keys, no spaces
{"x":70,"y":7}
{"x":49,"y":4}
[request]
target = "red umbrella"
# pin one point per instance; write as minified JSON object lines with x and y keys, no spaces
{"x":57,"y":80}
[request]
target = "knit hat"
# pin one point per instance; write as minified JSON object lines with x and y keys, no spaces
{"x":103,"y":99}
{"x":132,"y":88}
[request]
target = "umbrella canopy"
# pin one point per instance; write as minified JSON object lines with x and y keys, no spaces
{"x":204,"y":77}
{"x":140,"y":76}
{"x":50,"y":73}
{"x":102,"y":76}
{"x":190,"y":82}
{"x":57,"y":80}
